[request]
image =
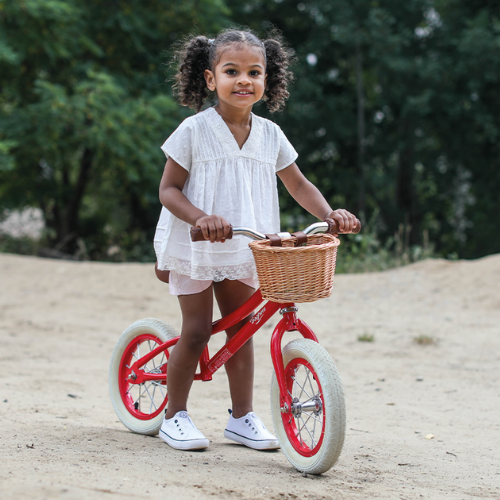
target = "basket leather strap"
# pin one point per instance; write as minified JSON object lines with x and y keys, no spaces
{"x":274,"y":240}
{"x":301,"y":238}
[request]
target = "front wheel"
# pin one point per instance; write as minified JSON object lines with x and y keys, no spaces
{"x":140,"y":406}
{"x":311,"y":433}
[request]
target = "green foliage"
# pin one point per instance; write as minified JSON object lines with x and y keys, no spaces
{"x":395,"y":111}
{"x":83,"y":111}
{"x":23,"y":245}
{"x":394,"y":114}
{"x":365,"y":252}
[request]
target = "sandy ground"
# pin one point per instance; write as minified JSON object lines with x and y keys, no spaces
{"x":60,"y":438}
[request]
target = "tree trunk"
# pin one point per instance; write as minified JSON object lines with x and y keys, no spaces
{"x":405,"y":191}
{"x":68,"y":229}
{"x":361,"y":132}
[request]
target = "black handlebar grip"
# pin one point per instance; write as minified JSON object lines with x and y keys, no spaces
{"x":197,"y":234}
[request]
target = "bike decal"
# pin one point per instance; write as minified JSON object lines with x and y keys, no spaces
{"x":256,"y":319}
{"x":219,"y":361}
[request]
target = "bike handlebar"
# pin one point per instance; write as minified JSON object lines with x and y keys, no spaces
{"x":330,"y":226}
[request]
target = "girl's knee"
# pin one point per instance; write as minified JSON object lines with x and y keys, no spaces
{"x":196,"y":339}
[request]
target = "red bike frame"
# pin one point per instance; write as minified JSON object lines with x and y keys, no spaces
{"x":208,"y":366}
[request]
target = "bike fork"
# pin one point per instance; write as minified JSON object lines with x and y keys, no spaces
{"x":288,"y":323}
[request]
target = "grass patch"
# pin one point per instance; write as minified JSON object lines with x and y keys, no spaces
{"x":366,"y":337}
{"x":22,"y":246}
{"x":424,"y":340}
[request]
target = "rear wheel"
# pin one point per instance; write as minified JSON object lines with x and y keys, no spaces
{"x":311,"y":433}
{"x":140,"y":407}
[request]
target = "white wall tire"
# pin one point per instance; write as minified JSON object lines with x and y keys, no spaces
{"x":314,"y":440}
{"x":141,"y":407}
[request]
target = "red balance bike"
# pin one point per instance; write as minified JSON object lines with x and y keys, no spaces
{"x":307,"y":400}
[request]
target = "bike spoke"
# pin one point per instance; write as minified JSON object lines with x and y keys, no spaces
{"x":316,"y":419}
{"x":152,"y":401}
{"x":138,"y":400}
{"x":159,"y":386}
{"x":308,"y":379}
{"x":304,"y":426}
{"x":302,"y":390}
{"x":314,"y":427}
{"x":308,"y":373}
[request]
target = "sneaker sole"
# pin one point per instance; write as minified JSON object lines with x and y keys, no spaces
{"x":194,"y":444}
{"x":252,"y":443}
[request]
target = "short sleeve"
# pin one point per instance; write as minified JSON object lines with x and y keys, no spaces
{"x":287,"y":154}
{"x":179,"y":145}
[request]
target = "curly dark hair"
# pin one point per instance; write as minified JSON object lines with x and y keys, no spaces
{"x":198,"y":53}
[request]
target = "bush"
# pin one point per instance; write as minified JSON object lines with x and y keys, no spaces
{"x":364,"y":252}
{"x":22,"y":246}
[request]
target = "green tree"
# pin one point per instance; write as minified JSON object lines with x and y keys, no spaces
{"x":395,"y":111}
{"x":83,"y":110}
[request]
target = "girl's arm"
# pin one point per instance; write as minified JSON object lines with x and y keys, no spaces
{"x":214,"y":227}
{"x":308,"y":196}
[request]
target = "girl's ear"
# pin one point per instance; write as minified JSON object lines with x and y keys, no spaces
{"x":210,"y":79}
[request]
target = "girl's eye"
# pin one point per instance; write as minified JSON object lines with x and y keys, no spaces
{"x":255,"y":73}
{"x":231,"y":72}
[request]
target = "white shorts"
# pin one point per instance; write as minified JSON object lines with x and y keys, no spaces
{"x":180,"y":284}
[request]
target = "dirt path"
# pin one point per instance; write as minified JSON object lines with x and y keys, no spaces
{"x":60,"y":438}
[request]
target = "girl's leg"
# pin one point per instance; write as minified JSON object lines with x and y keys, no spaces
{"x":230,"y":295}
{"x":197,"y":312}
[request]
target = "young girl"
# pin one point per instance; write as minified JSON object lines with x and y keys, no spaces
{"x":221,"y":169}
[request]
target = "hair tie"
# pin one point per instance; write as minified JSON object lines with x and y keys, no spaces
{"x":210,"y":41}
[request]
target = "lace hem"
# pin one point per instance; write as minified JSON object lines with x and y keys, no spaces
{"x":221,"y":273}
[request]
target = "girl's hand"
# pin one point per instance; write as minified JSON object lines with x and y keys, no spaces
{"x":214,"y":228}
{"x":347,"y":221}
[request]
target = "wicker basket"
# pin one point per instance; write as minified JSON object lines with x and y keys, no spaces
{"x":296,"y":274}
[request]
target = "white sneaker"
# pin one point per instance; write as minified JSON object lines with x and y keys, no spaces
{"x":250,"y":431}
{"x":180,"y":433}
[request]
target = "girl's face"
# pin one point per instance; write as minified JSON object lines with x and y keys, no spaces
{"x":239,"y":78}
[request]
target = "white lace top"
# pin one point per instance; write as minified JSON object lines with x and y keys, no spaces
{"x":237,"y":184}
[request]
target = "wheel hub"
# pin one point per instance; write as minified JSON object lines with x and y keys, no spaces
{"x":314,"y":405}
